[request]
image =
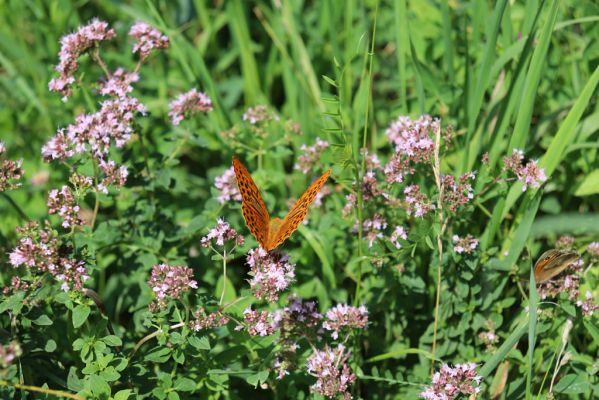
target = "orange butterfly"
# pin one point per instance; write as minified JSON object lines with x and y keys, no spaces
{"x":270,"y":233}
{"x":552,"y":262}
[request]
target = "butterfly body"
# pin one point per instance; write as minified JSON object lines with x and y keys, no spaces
{"x":270,"y":233}
{"x":552,"y":263}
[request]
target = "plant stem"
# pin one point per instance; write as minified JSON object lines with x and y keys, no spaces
{"x":150,"y":336}
{"x":97,"y":197}
{"x":222,"y":295}
{"x":52,"y":392}
{"x":442,"y":226}
{"x":362,"y":171}
{"x":14,"y":205}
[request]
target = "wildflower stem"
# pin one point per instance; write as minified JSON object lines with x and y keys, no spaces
{"x":52,"y":392}
{"x":442,"y":227}
{"x":360,"y":174}
{"x":150,"y":336}
{"x":97,"y":197}
{"x":14,"y":205}
{"x":222,"y":295}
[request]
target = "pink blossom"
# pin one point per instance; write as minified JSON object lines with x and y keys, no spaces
{"x":147,"y":38}
{"x":464,"y":245}
{"x":372,"y":229}
{"x":169,"y":282}
{"x":258,"y":322}
{"x":187,"y":104}
{"x":417,"y":202}
{"x":398,"y":233}
{"x":311,"y":155}
{"x":587,"y":306}
{"x":221,"y":234}
{"x":449,"y":383}
{"x":413,"y":138}
{"x":530,"y":174}
{"x":271,"y":273}
{"x":333,"y":375}
{"x":227,"y":185}
{"x":593,"y":249}
{"x":458,"y":193}
{"x":565,"y":242}
{"x":259,"y":113}
{"x":114,"y":175}
{"x":63,"y":203}
{"x":9,"y":353}
{"x":119,"y":83}
{"x":343,"y":315}
{"x":204,"y":321}
{"x":370,"y":191}
{"x":10,"y":173}
{"x":73,"y":46}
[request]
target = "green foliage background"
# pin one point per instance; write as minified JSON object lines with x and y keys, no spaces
{"x":504,"y":74}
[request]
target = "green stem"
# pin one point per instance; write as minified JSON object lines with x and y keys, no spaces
{"x":222,"y":295}
{"x":52,"y":392}
{"x":97,"y":197}
{"x":14,"y":205}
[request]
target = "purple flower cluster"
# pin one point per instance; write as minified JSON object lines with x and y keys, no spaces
{"x":73,"y":46}
{"x":147,"y":39}
{"x":343,"y":315}
{"x":204,"y":321}
{"x":227,"y":185}
{"x":258,"y":323}
{"x":449,"y":383}
{"x":413,"y":139}
{"x":398,"y":233}
{"x":221,"y":234}
{"x":370,"y":190}
{"x":63,"y":203}
{"x":16,"y":285}
{"x":259,"y":113}
{"x":565,"y":242}
{"x":119,"y":84}
{"x":568,"y":281}
{"x":271,"y":273}
{"x":10,"y":172}
{"x":299,"y":319}
{"x":458,"y":193}
{"x":187,"y":104}
{"x":465,"y":244}
{"x":169,"y":282}
{"x":417,"y":203}
{"x":310,"y":155}
{"x":39,"y":249}
{"x":593,"y":249}
{"x":9,"y":353}
{"x":373,"y":228}
{"x":588,"y":306}
{"x":333,"y":375}
{"x":529,"y":174}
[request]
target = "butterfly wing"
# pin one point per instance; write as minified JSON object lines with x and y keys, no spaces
{"x":296,"y":214}
{"x":252,"y":206}
{"x":552,"y":263}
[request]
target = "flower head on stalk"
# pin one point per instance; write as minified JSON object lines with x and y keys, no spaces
{"x":188,"y":104}
{"x":271,"y":273}
{"x":333,"y":375}
{"x":169,"y":282}
{"x":147,"y":39}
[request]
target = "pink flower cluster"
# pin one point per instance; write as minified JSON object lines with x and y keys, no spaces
{"x":271,"y":273}
{"x":147,"y":39}
{"x":593,"y":249}
{"x":311,"y":155}
{"x":119,"y":84}
{"x":370,"y":190}
{"x":568,"y":281}
{"x":16,"y":285}
{"x":73,"y":46}
{"x":259,"y":113}
{"x":398,"y":233}
{"x":587,"y":306}
{"x":412,"y":139}
{"x":221,"y":234}
{"x":40,"y":250}
{"x":227,"y":185}
{"x":258,"y":322}
{"x":565,"y":242}
{"x":10,"y":172}
{"x":465,"y":244}
{"x":204,"y":321}
{"x":373,"y":228}
{"x":449,"y":383}
{"x":417,"y":203}
{"x":63,"y":203}
{"x":333,"y":375}
{"x":529,"y":174}
{"x":187,"y":104}
{"x":343,"y":315}
{"x":299,"y":319}
{"x":9,"y":353}
{"x":458,"y":193}
{"x":169,"y":282}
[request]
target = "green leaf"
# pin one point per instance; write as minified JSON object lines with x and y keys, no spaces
{"x":592,"y":329}
{"x":572,"y":384}
{"x":590,"y":184}
{"x":122,"y":394}
{"x":13,"y":303}
{"x":112,"y":340}
{"x":98,"y":386}
{"x":43,"y":320}
{"x":185,"y":384}
{"x":80,"y":314}
{"x":50,"y":346}
{"x":200,"y":343}
{"x":258,"y":378}
{"x":159,"y":355}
